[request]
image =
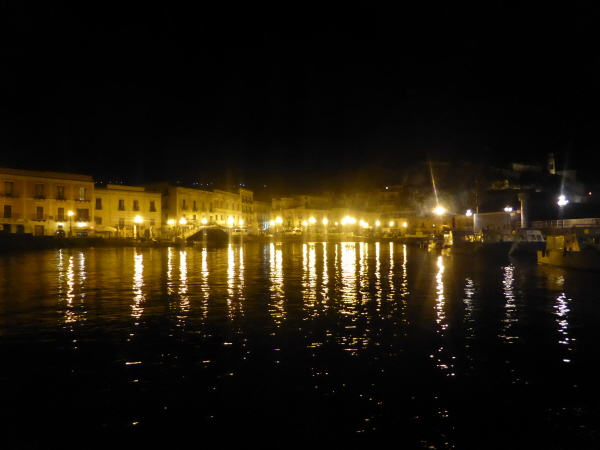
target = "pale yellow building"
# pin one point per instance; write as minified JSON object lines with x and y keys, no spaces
{"x":42,"y":203}
{"x":127,"y":211}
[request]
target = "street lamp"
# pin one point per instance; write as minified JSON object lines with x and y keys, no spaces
{"x":171,"y":223}
{"x":508,"y":210}
{"x":562,"y":201}
{"x":182,"y":223}
{"x":70,"y":214}
{"x":137,"y":222}
{"x":440,"y":210}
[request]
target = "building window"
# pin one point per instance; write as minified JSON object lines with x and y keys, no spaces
{"x":39,"y":213}
{"x":152,"y":206}
{"x":7,"y":211}
{"x":39,"y":192}
{"x":121,"y":222}
{"x":136,"y":205}
{"x":183,"y":205}
{"x":8,"y":188}
{"x":98,"y":220}
{"x":83,"y":214}
{"x":60,"y":193}
{"x":152,"y":222}
{"x":121,"y":205}
{"x":82,"y":197}
{"x":98,"y":203}
{"x":195,"y":207}
{"x":61,"y":215}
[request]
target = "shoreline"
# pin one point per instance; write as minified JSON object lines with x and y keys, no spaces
{"x":16,"y":242}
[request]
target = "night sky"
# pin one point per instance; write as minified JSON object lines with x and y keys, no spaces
{"x":306,"y":98}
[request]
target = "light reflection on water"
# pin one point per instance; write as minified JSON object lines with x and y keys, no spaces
{"x":341,"y":339}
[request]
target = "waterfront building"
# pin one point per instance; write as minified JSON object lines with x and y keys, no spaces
{"x":227,"y":209}
{"x":44,"y":203}
{"x":249,"y":220}
{"x":183,"y":209}
{"x":127,"y":211}
{"x":262,"y":212}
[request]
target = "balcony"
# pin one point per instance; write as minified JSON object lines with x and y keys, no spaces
{"x":11,"y":215}
{"x":136,"y":208}
{"x":39,"y":197}
{"x":39,"y":217}
{"x":184,"y":207}
{"x":10,"y":195}
{"x":83,"y":199}
{"x":98,"y":207}
{"x":121,"y":208}
{"x":61,"y":198}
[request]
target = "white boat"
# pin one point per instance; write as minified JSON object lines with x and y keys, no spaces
{"x":572,"y":251}
{"x":527,"y":242}
{"x":489,"y":241}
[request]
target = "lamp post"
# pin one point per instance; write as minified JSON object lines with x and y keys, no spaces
{"x":171,"y":223}
{"x":508,"y":211}
{"x":70,"y":214}
{"x":137,"y":223}
{"x":562,"y":202}
{"x":440,"y":210}
{"x":182,"y":223}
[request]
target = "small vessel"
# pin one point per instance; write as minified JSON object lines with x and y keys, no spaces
{"x":489,"y":241}
{"x":436,"y":242}
{"x":572,"y":251}
{"x":527,"y":243}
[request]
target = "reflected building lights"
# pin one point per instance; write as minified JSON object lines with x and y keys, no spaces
{"x":445,"y":361}
{"x":67,"y":285}
{"x":562,"y":310}
{"x":276,"y":277}
{"x":468,"y":302}
{"x":325,"y":277}
{"x":348,"y":279}
{"x":184,"y":300}
{"x":205,"y":285}
{"x":170,"y":265}
{"x":309,"y":278}
{"x":138,"y":282}
{"x":509,"y":307}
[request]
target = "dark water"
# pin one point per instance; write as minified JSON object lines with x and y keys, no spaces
{"x":288,"y":344}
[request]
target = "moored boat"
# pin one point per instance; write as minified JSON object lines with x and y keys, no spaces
{"x":570,"y":251}
{"x":527,"y":243}
{"x":492,"y":242}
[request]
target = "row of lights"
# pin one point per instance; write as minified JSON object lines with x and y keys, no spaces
{"x":345,"y":221}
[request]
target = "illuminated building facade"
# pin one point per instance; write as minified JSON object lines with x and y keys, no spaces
{"x":44,"y":203}
{"x":127,"y":211}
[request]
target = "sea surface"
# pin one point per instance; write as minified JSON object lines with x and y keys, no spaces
{"x":321,"y":344}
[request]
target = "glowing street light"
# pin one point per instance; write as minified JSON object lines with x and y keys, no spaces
{"x":562,"y":201}
{"x":137,"y":221}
